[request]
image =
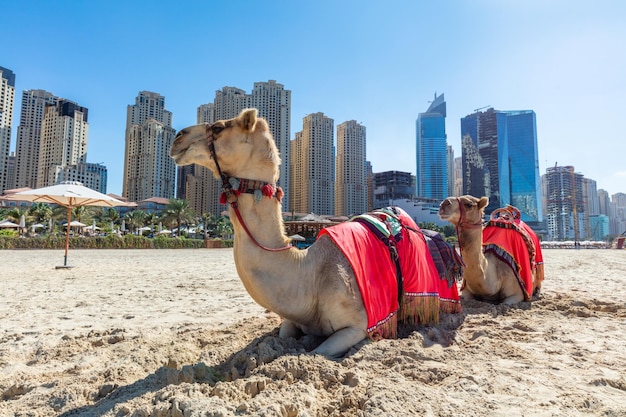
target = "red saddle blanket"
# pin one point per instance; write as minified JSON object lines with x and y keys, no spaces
{"x":425,"y":294}
{"x":516,"y":247}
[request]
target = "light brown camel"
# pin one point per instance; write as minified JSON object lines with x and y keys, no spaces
{"x":314,"y":290}
{"x":487,"y":276}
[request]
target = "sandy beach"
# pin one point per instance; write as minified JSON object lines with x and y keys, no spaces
{"x":174,"y":333}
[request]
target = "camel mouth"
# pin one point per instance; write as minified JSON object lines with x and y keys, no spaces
{"x":444,"y":208}
{"x":176,"y":154}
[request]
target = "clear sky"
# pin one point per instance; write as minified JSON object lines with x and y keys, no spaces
{"x":375,"y":62}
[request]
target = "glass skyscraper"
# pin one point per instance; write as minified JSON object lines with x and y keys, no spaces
{"x":431,"y":151}
{"x":500,"y":160}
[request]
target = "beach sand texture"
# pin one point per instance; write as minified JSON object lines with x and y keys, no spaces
{"x":174,"y":333}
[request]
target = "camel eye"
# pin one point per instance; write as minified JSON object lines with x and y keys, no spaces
{"x":216,"y":129}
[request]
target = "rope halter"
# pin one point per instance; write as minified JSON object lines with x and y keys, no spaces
{"x":233,"y":187}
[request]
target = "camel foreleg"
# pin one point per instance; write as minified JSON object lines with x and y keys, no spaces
{"x":340,"y":341}
{"x":289,"y":329}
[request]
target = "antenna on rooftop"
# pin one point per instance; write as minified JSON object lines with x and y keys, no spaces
{"x":483,"y":107}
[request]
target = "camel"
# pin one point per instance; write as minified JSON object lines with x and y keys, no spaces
{"x":487,"y":275}
{"x":313,"y":290}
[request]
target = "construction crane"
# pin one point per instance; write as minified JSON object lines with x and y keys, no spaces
{"x":480,"y":108}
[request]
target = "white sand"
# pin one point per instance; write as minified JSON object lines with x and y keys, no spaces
{"x":173,"y":333}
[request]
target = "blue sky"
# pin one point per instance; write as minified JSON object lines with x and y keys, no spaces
{"x":378,"y":63}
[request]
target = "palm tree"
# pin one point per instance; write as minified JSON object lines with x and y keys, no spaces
{"x":209,"y":223}
{"x":109,"y":215}
{"x":15,"y":214}
{"x":80,"y":211}
{"x":135,"y":219}
{"x":179,"y":209}
{"x":42,"y":212}
{"x":224,"y":227}
{"x":151,"y":219}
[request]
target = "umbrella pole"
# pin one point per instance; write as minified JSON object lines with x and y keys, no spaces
{"x":67,"y":233}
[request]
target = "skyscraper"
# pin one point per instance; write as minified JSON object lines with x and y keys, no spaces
{"x":274,"y":105}
{"x":64,"y":134}
{"x":500,"y":160}
{"x":34,"y":104}
{"x":431,"y":151}
{"x":351,"y":181}
{"x":565,"y":208}
{"x":312,"y":166}
{"x":451,"y":170}
{"x":7,"y":100}
{"x":148,"y":169}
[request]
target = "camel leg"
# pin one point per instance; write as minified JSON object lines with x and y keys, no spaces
{"x":340,"y":341}
{"x":289,"y":329}
{"x":513,"y":299}
{"x":467,"y":294}
{"x":537,"y":294}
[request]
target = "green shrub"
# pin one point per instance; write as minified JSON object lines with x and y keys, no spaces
{"x":100,"y":242}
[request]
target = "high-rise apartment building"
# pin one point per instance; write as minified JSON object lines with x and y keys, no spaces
{"x":604,"y":201}
{"x":274,"y":105}
{"x":11,"y":169}
{"x":351,"y":180}
{"x":312,"y":166}
{"x":458,"y":177}
{"x":592,"y":206}
{"x":618,"y":204}
{"x":565,"y":206}
{"x":229,"y":102}
{"x":148,"y":169}
{"x":91,"y":175}
{"x":34,"y":104}
{"x":431,"y":151}
{"x":7,"y":103}
{"x":64,"y":134}
{"x":500,"y":160}
{"x":451,"y":171}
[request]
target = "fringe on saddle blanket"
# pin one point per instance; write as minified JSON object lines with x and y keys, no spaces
{"x":370,"y":242}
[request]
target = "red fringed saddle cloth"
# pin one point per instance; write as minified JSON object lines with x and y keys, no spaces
{"x":515,"y":243}
{"x":366,"y":241}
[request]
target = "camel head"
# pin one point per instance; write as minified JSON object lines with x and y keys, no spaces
{"x":464,"y":210}
{"x":243,"y":145}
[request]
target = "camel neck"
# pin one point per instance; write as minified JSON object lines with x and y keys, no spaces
{"x":470,"y":243}
{"x":259,"y":222}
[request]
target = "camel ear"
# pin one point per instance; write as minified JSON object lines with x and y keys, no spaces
{"x":483,"y":202}
{"x":247,"y":119}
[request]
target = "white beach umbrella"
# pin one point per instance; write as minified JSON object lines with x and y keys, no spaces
{"x":68,"y":194}
{"x":75,"y":223}
{"x":9,"y":224}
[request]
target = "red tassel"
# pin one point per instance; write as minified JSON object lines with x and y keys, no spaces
{"x":268,"y":190}
{"x":279,"y":194}
{"x":223,"y":198}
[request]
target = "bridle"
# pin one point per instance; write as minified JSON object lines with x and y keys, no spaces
{"x":463,"y":223}
{"x":232,"y":187}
